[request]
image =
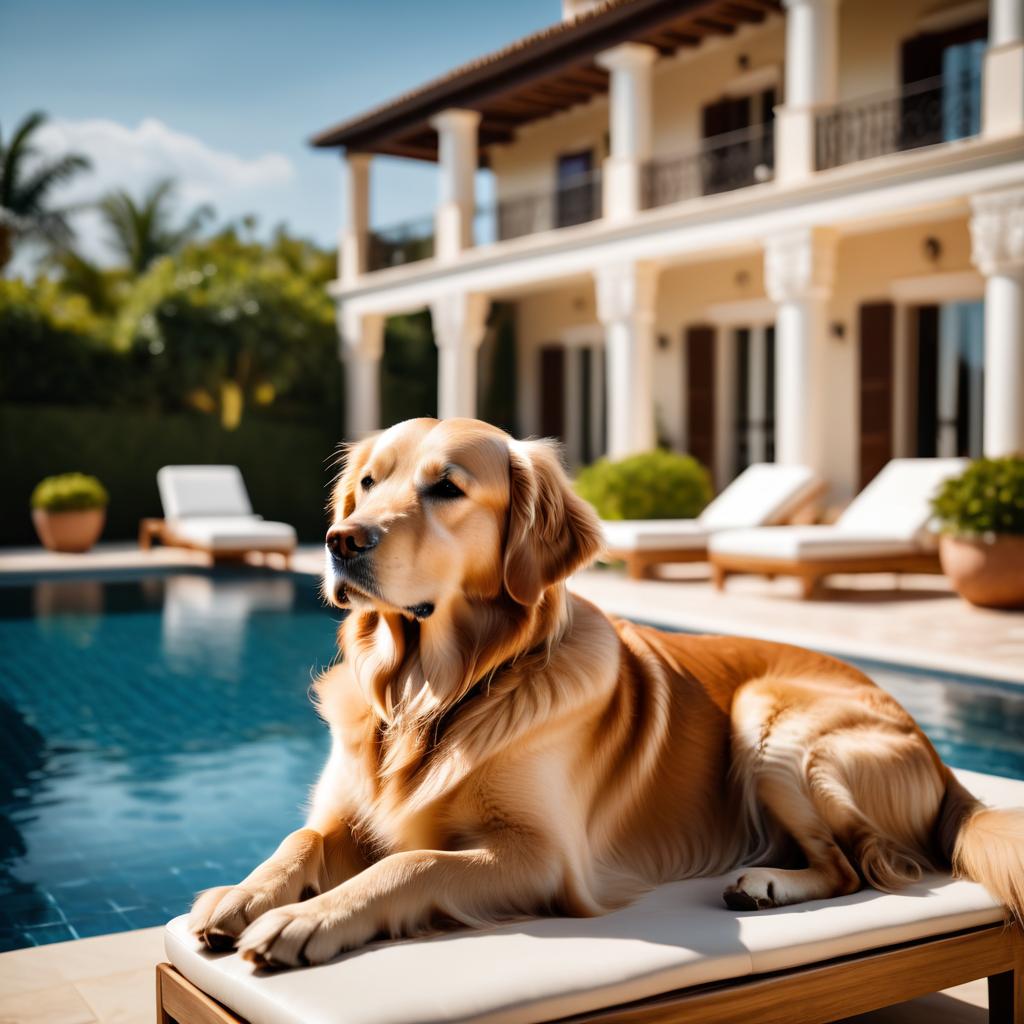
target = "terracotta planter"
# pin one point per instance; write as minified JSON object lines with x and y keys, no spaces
{"x":987,"y":573}
{"x":75,"y":531}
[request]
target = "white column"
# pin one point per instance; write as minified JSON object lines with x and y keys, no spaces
{"x":812,"y":76}
{"x":362,"y":345}
{"x":626,"y":294}
{"x":629,"y":119}
{"x":352,"y":248}
{"x":457,"y":159}
{"x":799,"y":269}
{"x":459,"y":321}
{"x":997,"y":235}
{"x":1003,"y":86}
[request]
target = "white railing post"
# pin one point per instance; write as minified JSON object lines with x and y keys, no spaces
{"x":626,"y":306}
{"x":354,"y":241}
{"x":629,"y":117}
{"x":997,"y":236}
{"x":457,"y":159}
{"x":812,"y":67}
{"x":459,"y":323}
{"x":361,"y":348}
{"x":1003,"y":86}
{"x":799,"y":270}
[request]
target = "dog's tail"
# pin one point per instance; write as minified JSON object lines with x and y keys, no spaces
{"x":984,"y":844}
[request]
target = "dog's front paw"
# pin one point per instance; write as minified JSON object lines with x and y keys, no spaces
{"x":302,"y":935}
{"x":220,"y":915}
{"x":753,"y":891}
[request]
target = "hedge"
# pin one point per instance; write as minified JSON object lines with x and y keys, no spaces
{"x":287,"y":466}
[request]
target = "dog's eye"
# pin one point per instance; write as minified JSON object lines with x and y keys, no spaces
{"x":366,"y":483}
{"x":445,"y":490}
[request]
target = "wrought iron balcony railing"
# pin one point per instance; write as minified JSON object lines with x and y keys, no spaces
{"x":723,"y":163}
{"x":574,"y":201}
{"x":921,"y":114}
{"x":403,"y":243}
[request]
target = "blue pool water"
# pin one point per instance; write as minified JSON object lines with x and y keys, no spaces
{"x":156,"y":738}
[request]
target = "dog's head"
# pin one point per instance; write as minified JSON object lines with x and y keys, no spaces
{"x":432,"y":514}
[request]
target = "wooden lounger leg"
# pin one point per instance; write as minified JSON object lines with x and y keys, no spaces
{"x":1006,"y":990}
{"x":809,"y":586}
{"x":718,"y":576}
{"x":178,"y":1001}
{"x":636,"y":566}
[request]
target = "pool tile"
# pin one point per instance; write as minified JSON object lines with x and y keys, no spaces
{"x":48,"y":933}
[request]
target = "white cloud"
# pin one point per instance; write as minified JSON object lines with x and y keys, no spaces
{"x":134,"y":158}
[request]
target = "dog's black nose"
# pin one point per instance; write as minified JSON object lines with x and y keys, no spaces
{"x":352,"y":539}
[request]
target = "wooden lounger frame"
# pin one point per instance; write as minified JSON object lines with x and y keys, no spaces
{"x":640,"y":561}
{"x":157,"y":530}
{"x":811,"y":573}
{"x":813,"y":994}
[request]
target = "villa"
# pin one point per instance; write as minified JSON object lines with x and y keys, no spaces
{"x":746,"y":229}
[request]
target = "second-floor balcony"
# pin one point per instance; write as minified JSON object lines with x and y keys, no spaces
{"x":723,"y":163}
{"x":925,"y":113}
{"x":574,"y":200}
{"x":407,"y":242}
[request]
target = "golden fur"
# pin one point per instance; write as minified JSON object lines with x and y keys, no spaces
{"x":502,"y":748}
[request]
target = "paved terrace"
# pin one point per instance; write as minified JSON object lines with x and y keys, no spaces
{"x":916,"y":620}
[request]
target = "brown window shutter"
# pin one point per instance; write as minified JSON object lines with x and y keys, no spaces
{"x":700,"y":393}
{"x":876,"y":387}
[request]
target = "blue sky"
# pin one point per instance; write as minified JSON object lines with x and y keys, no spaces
{"x":225,"y":94}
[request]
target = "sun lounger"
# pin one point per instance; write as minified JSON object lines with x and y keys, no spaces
{"x":207,"y":508}
{"x":762,"y":494}
{"x":678,"y":954}
{"x":884,"y":529}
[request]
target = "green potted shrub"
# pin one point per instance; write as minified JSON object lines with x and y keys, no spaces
{"x":981,"y":515}
{"x":652,"y":485}
{"x":69,"y":511}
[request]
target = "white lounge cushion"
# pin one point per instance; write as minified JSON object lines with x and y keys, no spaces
{"x":679,"y":935}
{"x":225,"y":533}
{"x":807,"y":543}
{"x":202,"y":491}
{"x":654,"y":534}
{"x":897,"y":503}
{"x":762,"y":493}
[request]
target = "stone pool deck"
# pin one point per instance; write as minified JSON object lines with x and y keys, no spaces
{"x":915,"y":620}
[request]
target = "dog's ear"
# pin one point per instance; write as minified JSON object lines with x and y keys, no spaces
{"x":552,"y":532}
{"x":343,"y":499}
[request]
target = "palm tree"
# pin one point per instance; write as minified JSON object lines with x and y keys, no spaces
{"x":25,"y":191}
{"x":141,"y":232}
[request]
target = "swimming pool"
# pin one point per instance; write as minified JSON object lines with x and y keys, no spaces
{"x":156,"y":738}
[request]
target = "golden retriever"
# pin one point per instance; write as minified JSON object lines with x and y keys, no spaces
{"x":501,"y":748}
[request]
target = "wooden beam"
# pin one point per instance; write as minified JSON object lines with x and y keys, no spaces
{"x":557,"y":91}
{"x":718,"y":24}
{"x":682,"y":38}
{"x":741,"y":12}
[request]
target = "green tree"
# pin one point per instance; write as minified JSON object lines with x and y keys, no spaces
{"x":141,"y":232}
{"x":226,"y":324}
{"x":26,"y":187}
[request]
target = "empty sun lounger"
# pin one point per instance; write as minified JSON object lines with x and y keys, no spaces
{"x":207,"y":508}
{"x":762,"y":494}
{"x":675,"y":955}
{"x":884,"y":529}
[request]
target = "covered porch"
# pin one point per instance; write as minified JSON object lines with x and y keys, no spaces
{"x":911,"y":324}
